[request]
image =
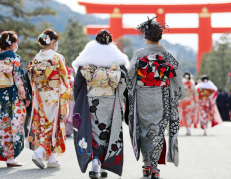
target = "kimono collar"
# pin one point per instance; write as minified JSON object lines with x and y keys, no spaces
{"x":45,"y":55}
{"x":157,"y":48}
{"x":100,"y":55}
{"x":8,"y":53}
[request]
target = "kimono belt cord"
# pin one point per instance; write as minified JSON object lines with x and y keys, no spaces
{"x":56,"y":116}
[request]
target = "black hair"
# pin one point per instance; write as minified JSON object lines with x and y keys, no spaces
{"x":204,"y":77}
{"x":189,"y":74}
{"x":7,"y":38}
{"x":52,"y":34}
{"x":103,"y":37}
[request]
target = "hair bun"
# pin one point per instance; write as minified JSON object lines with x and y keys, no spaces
{"x":104,"y":37}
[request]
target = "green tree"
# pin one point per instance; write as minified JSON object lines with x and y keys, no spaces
{"x":216,"y":64}
{"x":14,"y":17}
{"x":126,"y":46}
{"x":73,"y":40}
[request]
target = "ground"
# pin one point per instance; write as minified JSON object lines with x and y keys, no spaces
{"x":201,"y":157}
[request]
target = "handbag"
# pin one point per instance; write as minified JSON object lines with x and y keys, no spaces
{"x":6,"y":75}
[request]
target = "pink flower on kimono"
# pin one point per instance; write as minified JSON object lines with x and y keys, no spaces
{"x":16,"y":123}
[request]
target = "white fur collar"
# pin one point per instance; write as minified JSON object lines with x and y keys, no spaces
{"x":206,"y":85}
{"x":100,"y":55}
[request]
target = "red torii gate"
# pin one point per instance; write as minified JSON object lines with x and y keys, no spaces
{"x":204,"y":30}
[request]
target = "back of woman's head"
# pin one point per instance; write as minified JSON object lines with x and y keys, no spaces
{"x":47,"y":36}
{"x":187,"y":75}
{"x":103,"y":37}
{"x":7,"y":38}
{"x":155,"y":32}
{"x":204,"y":78}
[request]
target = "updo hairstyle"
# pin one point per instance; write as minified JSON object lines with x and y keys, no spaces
{"x":155,"y":32}
{"x":7,"y":38}
{"x":204,"y":77}
{"x":104,"y":37}
{"x":47,"y":36}
{"x":187,"y":75}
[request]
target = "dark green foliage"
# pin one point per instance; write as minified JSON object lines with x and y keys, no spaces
{"x":13,"y":16}
{"x":216,"y":64}
{"x":72,"y":40}
{"x":127,"y":46}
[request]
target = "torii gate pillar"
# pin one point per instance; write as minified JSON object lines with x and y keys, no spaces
{"x":116,"y":23}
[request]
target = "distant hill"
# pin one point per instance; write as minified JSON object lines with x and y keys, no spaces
{"x":185,"y":55}
{"x":64,"y":12}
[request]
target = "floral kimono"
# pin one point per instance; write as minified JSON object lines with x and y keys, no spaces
{"x":13,"y":94}
{"x":154,"y":88}
{"x":187,"y":106}
{"x":98,"y":112}
{"x":206,"y":95}
{"x":50,"y":88}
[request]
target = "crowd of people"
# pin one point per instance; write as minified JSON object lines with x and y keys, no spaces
{"x":92,"y":102}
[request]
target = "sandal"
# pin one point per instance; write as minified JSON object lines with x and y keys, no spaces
{"x":53,"y":165}
{"x":38,"y":161}
{"x":14,"y":164}
{"x":146,"y":171}
{"x":94,"y":175}
{"x":103,"y":174}
{"x":155,"y":174}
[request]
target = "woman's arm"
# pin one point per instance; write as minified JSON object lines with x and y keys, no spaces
{"x":20,"y":82}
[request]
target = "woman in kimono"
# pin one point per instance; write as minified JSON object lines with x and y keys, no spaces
{"x":154,"y":88}
{"x":187,"y":106}
{"x":50,"y":87}
{"x":71,"y":103}
{"x":98,"y":112}
{"x":206,"y":103}
{"x":14,"y":98}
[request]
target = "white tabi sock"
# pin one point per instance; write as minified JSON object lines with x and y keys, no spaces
{"x":52,"y":158}
{"x":189,"y":129}
{"x":103,"y":170}
{"x":95,"y":165}
{"x":39,"y":152}
{"x":10,"y":160}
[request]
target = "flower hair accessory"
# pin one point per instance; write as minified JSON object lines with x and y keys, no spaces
{"x":7,"y":40}
{"x":46,"y":38}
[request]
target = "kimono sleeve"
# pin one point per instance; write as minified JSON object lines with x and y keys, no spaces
{"x":64,"y":74}
{"x":19,"y":79}
{"x":79,"y":79}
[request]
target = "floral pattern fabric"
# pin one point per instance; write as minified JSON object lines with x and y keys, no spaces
{"x":101,"y":81}
{"x":206,"y":104}
{"x":187,"y":106}
{"x":154,"y":71}
{"x":51,"y":92}
{"x":12,"y":108}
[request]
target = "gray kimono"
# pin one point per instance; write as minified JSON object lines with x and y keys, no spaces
{"x":151,"y":108}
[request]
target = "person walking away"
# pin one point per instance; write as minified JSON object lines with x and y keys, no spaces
{"x":71,"y":104}
{"x":51,"y":91}
{"x":206,"y":94}
{"x":187,"y":106}
{"x":154,"y":88}
{"x":14,"y":98}
{"x":98,"y":113}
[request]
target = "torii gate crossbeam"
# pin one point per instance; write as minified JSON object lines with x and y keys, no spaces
{"x":204,"y":30}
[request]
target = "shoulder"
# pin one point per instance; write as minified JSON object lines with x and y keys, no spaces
{"x":59,"y":55}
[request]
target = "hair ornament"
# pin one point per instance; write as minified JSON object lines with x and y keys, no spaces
{"x":46,"y":38}
{"x":7,"y":40}
{"x":144,"y":28}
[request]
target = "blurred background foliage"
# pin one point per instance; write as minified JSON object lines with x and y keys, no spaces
{"x":216,"y":64}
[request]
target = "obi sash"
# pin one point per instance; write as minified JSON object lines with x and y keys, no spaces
{"x":101,"y":81}
{"x":153,"y":70}
{"x":6,"y":74}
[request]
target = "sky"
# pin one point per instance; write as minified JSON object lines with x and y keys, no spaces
{"x":173,"y":20}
